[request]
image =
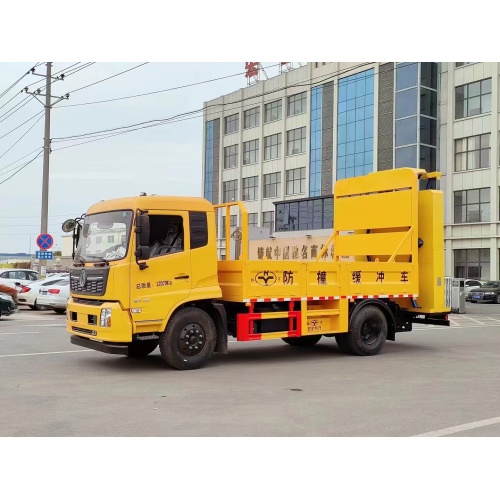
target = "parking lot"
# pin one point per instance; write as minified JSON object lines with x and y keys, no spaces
{"x":434,"y":380}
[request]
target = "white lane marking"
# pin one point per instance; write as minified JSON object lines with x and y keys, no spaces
{"x":460,"y":428}
{"x":40,"y":353}
{"x":15,"y":333}
{"x":474,"y":320}
{"x":453,"y":323}
{"x":42,"y":326}
{"x":492,"y":319}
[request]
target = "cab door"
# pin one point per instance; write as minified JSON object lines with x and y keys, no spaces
{"x":166,"y":282}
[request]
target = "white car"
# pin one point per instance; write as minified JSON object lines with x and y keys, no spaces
{"x":28,"y":294}
{"x":54,"y":296}
{"x":18,"y":277}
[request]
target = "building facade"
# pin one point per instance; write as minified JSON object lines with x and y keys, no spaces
{"x":280,"y":145}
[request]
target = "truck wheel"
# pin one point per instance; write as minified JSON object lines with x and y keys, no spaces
{"x":307,"y":340}
{"x":141,"y":348}
{"x":368,"y":332}
{"x":189,"y":339}
{"x":341,"y":340}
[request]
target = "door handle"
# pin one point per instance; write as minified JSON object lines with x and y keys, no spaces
{"x":182,"y":277}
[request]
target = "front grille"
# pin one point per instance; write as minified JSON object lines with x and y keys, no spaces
{"x":89,"y":281}
{"x":77,"y":329}
{"x":96,"y":286}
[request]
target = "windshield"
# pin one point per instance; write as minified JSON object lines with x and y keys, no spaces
{"x":491,"y":284}
{"x":105,"y":236}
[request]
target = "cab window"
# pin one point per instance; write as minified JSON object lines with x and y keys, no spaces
{"x":166,"y":235}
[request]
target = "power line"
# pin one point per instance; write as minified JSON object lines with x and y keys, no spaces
{"x":19,"y":159}
{"x":14,"y":129}
{"x":35,"y":216}
{"x":76,"y":70}
{"x":161,"y":91}
{"x":21,"y":137}
{"x":86,"y":65}
{"x":165,"y":120}
{"x":108,"y":78}
{"x":17,"y":81}
{"x":25,"y":101}
{"x":21,"y":168}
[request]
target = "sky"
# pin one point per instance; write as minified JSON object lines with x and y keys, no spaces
{"x":166,"y":159}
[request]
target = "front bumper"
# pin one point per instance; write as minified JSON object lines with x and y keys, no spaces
{"x":482,"y":298}
{"x":99,"y":346}
{"x":83,"y":320}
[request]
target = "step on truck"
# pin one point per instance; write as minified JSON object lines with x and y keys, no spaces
{"x":146,"y":272}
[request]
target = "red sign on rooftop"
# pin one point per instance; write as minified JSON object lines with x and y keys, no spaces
{"x":252,"y":69}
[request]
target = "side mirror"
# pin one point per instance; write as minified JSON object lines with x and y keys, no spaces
{"x":142,"y":230}
{"x":69,"y":225}
{"x":143,"y":253}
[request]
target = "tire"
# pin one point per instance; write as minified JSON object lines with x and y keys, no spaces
{"x":341,"y":340}
{"x":368,"y":332}
{"x":141,"y":348}
{"x":60,"y":311}
{"x":306,"y":341}
{"x":189,"y":339}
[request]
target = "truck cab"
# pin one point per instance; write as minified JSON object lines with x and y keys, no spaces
{"x":136,"y":260}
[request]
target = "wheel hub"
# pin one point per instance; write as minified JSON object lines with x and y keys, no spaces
{"x":192,"y":339}
{"x":370,"y":332}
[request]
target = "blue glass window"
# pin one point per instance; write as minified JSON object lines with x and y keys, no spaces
{"x":406,"y":75}
{"x":406,"y":103}
{"x":355,"y":125}
{"x":406,"y":157}
{"x":316,"y":141}
{"x":406,"y":131}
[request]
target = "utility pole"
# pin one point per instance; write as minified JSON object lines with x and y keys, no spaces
{"x":44,"y":221}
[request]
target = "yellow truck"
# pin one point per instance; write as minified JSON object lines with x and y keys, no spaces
{"x":159,"y":281}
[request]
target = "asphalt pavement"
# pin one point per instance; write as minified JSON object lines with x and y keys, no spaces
{"x":434,"y":381}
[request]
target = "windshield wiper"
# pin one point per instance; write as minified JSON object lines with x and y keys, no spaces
{"x":100,"y":259}
{"x":79,"y":258}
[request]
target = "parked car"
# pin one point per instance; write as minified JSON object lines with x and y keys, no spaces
{"x":7,"y":305}
{"x":487,"y":292}
{"x":54,"y":296}
{"x":28,"y":294}
{"x":9,"y":290}
{"x":470,"y":285}
{"x":18,"y":277}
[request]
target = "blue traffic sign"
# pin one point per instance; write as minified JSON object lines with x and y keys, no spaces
{"x":44,"y":241}
{"x":42,"y":255}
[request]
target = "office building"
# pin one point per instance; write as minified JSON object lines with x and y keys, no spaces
{"x":280,"y":144}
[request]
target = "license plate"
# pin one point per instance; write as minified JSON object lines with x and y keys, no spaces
{"x":476,"y":296}
{"x":43,"y":293}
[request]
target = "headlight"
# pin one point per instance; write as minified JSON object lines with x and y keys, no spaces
{"x":489,"y":293}
{"x":105,"y":317}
